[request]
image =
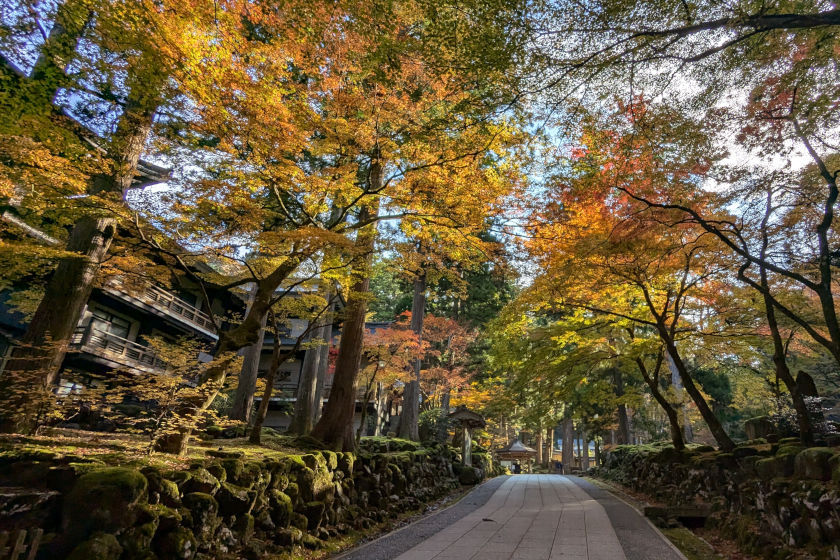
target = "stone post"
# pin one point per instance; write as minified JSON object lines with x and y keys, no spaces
{"x":466,"y":450}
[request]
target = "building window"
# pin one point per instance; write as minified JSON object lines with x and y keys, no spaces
{"x":104,"y":321}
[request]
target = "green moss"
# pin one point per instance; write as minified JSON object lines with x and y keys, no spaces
{"x":299,"y":521}
{"x":244,"y":526}
{"x":295,"y":462}
{"x":312,"y":543}
{"x":692,"y":547}
{"x":331,"y":458}
{"x":168,"y":518}
{"x":387,"y":445}
{"x":293,"y":491}
{"x":103,"y":500}
{"x":288,"y":536}
{"x":178,"y":544}
{"x":233,"y":468}
{"x":280,"y":481}
{"x":179,"y":477}
{"x":162,"y":489}
{"x":233,"y":500}
{"x":102,"y":546}
{"x":834,"y":465}
{"x":253,"y":473}
{"x":346,"y":462}
{"x":218,"y":471}
{"x":814,"y":463}
{"x":201,"y":503}
{"x":313,"y":511}
{"x":137,"y":541}
{"x":281,"y":508}
{"x":204,"y":514}
{"x":314,"y":462}
{"x":202,"y":480}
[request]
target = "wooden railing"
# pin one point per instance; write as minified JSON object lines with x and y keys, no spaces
{"x":289,"y":389}
{"x":168,"y":302}
{"x":15,"y":546}
{"x":118,"y":349}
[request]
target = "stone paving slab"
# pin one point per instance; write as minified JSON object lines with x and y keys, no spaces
{"x":639,"y":539}
{"x":530,"y":517}
{"x":391,"y":545}
{"x":545,"y":517}
{"x":527,"y":517}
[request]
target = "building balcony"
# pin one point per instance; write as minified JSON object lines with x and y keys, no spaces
{"x":162,"y":299}
{"x":165,"y":303}
{"x":116,"y":352}
{"x":287,"y":390}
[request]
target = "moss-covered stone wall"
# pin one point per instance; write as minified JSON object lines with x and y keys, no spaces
{"x":773,"y":499}
{"x":224,"y":506}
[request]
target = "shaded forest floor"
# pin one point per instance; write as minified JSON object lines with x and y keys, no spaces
{"x":122,"y":449}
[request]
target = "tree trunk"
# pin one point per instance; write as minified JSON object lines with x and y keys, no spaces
{"x":549,"y":446}
{"x":308,"y":396}
{"x":303,"y":415}
{"x":682,"y":410}
{"x":721,"y":437}
{"x":381,"y":409}
{"x":598,"y":459}
{"x":177,"y":442}
{"x":244,"y":334}
{"x":270,"y":379}
{"x":652,"y":381}
{"x":539,"y":447}
{"x":243,"y":399}
{"x":803,"y":416}
{"x":323,"y":369}
{"x":335,"y":428}
{"x":364,"y":414}
{"x":568,"y":445}
{"x":584,"y":457}
{"x":45,"y":342}
{"x":623,"y":435}
{"x":411,"y":401}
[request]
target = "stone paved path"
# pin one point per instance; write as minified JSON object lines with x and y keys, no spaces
{"x":536,"y":517}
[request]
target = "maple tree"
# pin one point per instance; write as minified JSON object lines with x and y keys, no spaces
{"x":318,"y":148}
{"x":763,"y":74}
{"x":595,"y":238}
{"x":134,"y":83}
{"x":272,"y":144}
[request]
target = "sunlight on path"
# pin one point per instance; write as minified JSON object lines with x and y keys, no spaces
{"x":530,"y":517}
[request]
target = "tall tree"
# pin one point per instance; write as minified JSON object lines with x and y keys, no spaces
{"x":121,"y":31}
{"x":410,"y":416}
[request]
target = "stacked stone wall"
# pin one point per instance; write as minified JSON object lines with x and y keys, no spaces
{"x":225,"y":506}
{"x":777,"y":500}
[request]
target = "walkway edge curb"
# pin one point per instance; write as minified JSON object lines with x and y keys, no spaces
{"x":609,"y":488}
{"x":422,"y":518}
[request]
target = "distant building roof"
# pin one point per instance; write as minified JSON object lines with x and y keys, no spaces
{"x":517,"y":448}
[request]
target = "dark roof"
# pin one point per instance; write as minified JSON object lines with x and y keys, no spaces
{"x":150,"y":174}
{"x":517,"y":447}
{"x":468,"y":417}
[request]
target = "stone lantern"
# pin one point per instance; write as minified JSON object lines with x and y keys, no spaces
{"x":469,"y":421}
